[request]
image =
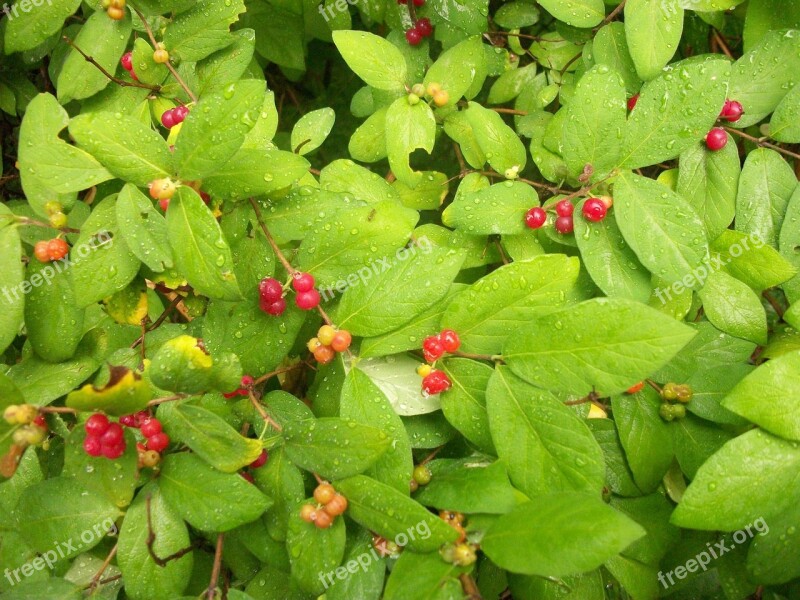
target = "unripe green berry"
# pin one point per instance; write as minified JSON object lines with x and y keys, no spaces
{"x":52,"y":207}
{"x":678,"y":411}
{"x":413,"y":99}
{"x":58,"y":220}
{"x":418,"y":89}
{"x":422,"y":474}
{"x":669,"y":392}
{"x":684,"y":393}
{"x":10,"y":414}
{"x":464,"y":555}
{"x":665,"y":410}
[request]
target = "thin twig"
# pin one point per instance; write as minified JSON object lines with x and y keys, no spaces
{"x":271,"y":374}
{"x":761,"y":142}
{"x":286,"y":264}
{"x":151,"y":539}
{"x":157,"y":401}
{"x":470,"y":587}
{"x":111,"y":77}
{"x":34,"y":222}
{"x":722,"y":44}
{"x":511,"y":111}
{"x":96,"y":579}
{"x":774,"y":303}
{"x":275,"y":425}
{"x":64,"y":410}
{"x":212,"y":585}
{"x":612,"y":15}
{"x":172,"y":306}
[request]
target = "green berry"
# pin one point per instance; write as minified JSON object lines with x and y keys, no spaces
{"x":669,"y":392}
{"x":665,"y":410}
{"x":422,"y":474}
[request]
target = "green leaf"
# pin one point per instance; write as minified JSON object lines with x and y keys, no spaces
{"x":255,"y":172}
{"x":592,"y":133}
{"x":334,"y":447}
{"x":488,"y":312}
{"x":660,"y":226}
{"x":695,"y":441}
{"x":468,"y":486}
{"x":60,"y":509}
{"x":464,"y":404}
{"x":456,"y":68}
{"x":183,"y":365}
{"x":783,"y":126}
{"x":215,"y":129}
{"x":766,"y":396}
{"x":399,"y":291}
{"x":367,"y":582}
{"x":104,"y":40}
{"x":347,"y":177}
{"x":12,"y":272}
{"x":203,"y":29}
{"x":498,"y":209}
{"x":423,"y":577}
{"x":762,"y":77}
{"x":514,"y":15}
{"x":202,"y":254}
{"x":730,"y":492}
{"x":675,"y":110}
{"x":314,"y":552}
{"x":129,"y":149}
{"x":312,"y":129}
{"x":766,"y":176}
{"x":578,"y":13}
{"x":283,"y":482}
{"x":227,"y":65}
{"x":209,"y":436}
{"x":124,"y":393}
{"x":603,"y":345}
{"x":618,"y":473}
{"x":392,"y":514}
{"x":610,"y":47}
{"x":208,"y":499}
{"x":546,"y":446}
{"x":29,"y":28}
{"x":789,"y":242}
{"x":609,"y":260}
{"x":774,"y":555}
{"x":374,"y":59}
{"x":144,"y":229}
{"x":548,"y":536}
{"x":143,"y":577}
{"x":368,"y":142}
{"x":500,"y":143}
{"x":147,"y":70}
{"x":734,"y":308}
{"x":653,"y":31}
{"x":408,"y":128}
{"x":363,"y":401}
{"x":509,"y":85}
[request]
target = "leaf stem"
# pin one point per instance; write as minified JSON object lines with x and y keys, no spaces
{"x":212,"y":585}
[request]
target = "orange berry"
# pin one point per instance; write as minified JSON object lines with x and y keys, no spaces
{"x":322,"y":519}
{"x":116,"y":13}
{"x":41,"y":252}
{"x":441,"y":98}
{"x":324,"y":493}
{"x":162,"y":189}
{"x":341,"y":341}
{"x":336,"y":506}
{"x":307,"y":513}
{"x":57,"y":248}
{"x":160,"y":56}
{"x":324,"y":354}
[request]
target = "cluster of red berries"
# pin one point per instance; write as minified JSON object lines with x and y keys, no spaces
{"x":244,"y":389}
{"x":328,"y":342}
{"x":115,"y":9}
{"x":49,"y":250}
{"x":594,"y":209}
{"x":271,"y":298}
{"x":435,"y":346}
{"x":421,"y":29}
{"x":103,"y":438}
{"x":127,"y":63}
{"x":174,"y":116}
{"x":717,"y":138}
{"x":330,"y":504}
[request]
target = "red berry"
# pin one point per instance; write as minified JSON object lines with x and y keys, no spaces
{"x":96,"y":425}
{"x":303,"y":282}
{"x":341,"y":340}
{"x":436,"y":382}
{"x":594,"y":209}
{"x":413,"y":36}
{"x":205,"y":197}
{"x":336,"y":506}
{"x":39,"y":421}
{"x":41,"y":252}
{"x":158,"y":442}
{"x":275,"y":308}
{"x":247,"y":477}
{"x":57,"y":248}
{"x":307,"y":300}
{"x":716,"y":139}
{"x":732,"y":111}
{"x":260,"y":461}
{"x":432,"y":348}
{"x":247,"y":381}
{"x":168,"y":118}
{"x":164,"y":204}
{"x":450,"y":340}
{"x":140,"y":417}
{"x":180,"y":114}
{"x":535,"y":217}
{"x":128,"y":420}
{"x":92,"y":445}
{"x":151,"y":427}
{"x":114,"y":451}
{"x":564,"y":208}
{"x":113,"y":436}
{"x":632,"y":101}
{"x":127,"y":61}
{"x":133,"y":75}
{"x":424,"y":26}
{"x":419,"y":2}
{"x":270,"y":290}
{"x":564,"y":225}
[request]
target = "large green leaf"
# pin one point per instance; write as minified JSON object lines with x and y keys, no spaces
{"x":203,"y":29}
{"x":498,"y":209}
{"x":789,"y":242}
{"x":653,"y":31}
{"x":498,"y":142}
{"x":464,"y":404}
{"x":603,"y":345}
{"x":202,"y":254}
{"x":409,"y":127}
{"x":468,"y":486}
{"x":578,"y":13}
{"x":610,"y":47}
{"x":423,"y":577}
{"x":734,"y":308}
{"x":783,"y":126}
{"x":283,"y":482}
{"x":12,"y":300}
{"x":774,"y":555}
{"x":456,"y":69}
{"x":372,"y":58}
{"x":559,"y":534}
{"x":546,"y":446}
{"x":29,"y":28}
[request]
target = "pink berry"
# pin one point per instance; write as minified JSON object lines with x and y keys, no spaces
{"x":424,"y":26}
{"x":564,"y":208}
{"x":180,"y":113}
{"x":92,"y":445}
{"x":564,"y":225}
{"x":270,"y":290}
{"x":413,"y":36}
{"x":594,"y":209}
{"x":96,"y":425}
{"x":632,"y":101}
{"x":127,"y":61}
{"x":113,"y":451}
{"x":151,"y":427}
{"x":436,"y":382}
{"x":535,"y":217}
{"x":163,"y":204}
{"x":276,"y":308}
{"x":113,"y":436}
{"x":158,"y":442}
{"x":128,"y":420}
{"x":307,"y":300}
{"x":303,"y":282}
{"x":716,"y":139}
{"x":168,"y":118}
{"x":432,"y":348}
{"x":260,"y":461}
{"x":732,"y":111}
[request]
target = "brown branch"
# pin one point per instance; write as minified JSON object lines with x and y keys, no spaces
{"x":470,"y":587}
{"x":34,"y":222}
{"x":511,"y":111}
{"x":721,"y":43}
{"x":286,"y":264}
{"x":157,"y":401}
{"x":151,"y":538}
{"x":774,"y":303}
{"x":160,"y":320}
{"x":612,"y":15}
{"x":111,"y":77}
{"x":64,"y":410}
{"x":761,"y":142}
{"x":96,"y":579}
{"x":653,"y":385}
{"x":487,"y":357}
{"x":212,"y":585}
{"x":275,"y":425}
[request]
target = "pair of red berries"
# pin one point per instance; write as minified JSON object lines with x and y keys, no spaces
{"x":271,"y":298}
{"x":435,"y":345}
{"x":174,"y":116}
{"x":244,"y":389}
{"x":127,"y":63}
{"x":103,"y":438}
{"x":717,"y":138}
{"x":50,"y":250}
{"x":421,"y":29}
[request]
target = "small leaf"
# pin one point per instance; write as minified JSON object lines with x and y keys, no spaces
{"x":498,"y":209}
{"x":408,"y":128}
{"x":468,"y":486}
{"x":734,"y":308}
{"x":372,"y":58}
{"x":653,"y":31}
{"x":500,"y":143}
{"x":203,"y":29}
{"x":578,"y":13}
{"x":311,"y":130}
{"x":143,"y":228}
{"x":456,"y":68}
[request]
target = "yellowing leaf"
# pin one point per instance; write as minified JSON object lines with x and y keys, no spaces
{"x":126,"y":392}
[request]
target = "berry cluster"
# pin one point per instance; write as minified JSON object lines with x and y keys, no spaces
{"x":330,"y":504}
{"x":271,"y":298}
{"x":160,"y":55}
{"x":244,"y":390}
{"x":717,"y":138}
{"x":55,"y":214}
{"x":174,"y":116}
{"x":421,"y":29}
{"x":49,"y":250}
{"x":674,"y":397}
{"x":421,"y":476}
{"x":135,"y":420}
{"x":328,"y":342}
{"x":162,"y":190}
{"x":435,"y":346}
{"x":594,"y":209}
{"x":115,"y":9}
{"x":306,"y":297}
{"x":459,"y":553}
{"x":33,"y":428}
{"x":103,"y":438}
{"x":127,"y":63}
{"x":384,"y":547}
{"x":434,"y":91}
